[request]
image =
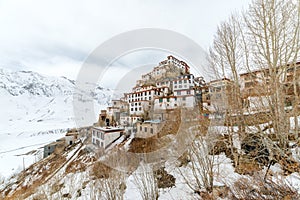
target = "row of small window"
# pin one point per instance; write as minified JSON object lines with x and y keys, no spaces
{"x":140,"y":99}
{"x":135,"y":104}
{"x":98,"y":143}
{"x":146,"y":129}
{"x":181,"y":86}
{"x":180,"y":93}
{"x":168,"y":99}
{"x":175,"y":105}
{"x":140,"y":94}
{"x":163,"y":83}
{"x":131,"y":118}
{"x":136,"y":109}
{"x":98,"y":134}
{"x":184,"y":81}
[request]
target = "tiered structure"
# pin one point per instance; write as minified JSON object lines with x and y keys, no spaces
{"x":168,"y":86}
{"x":155,"y":84}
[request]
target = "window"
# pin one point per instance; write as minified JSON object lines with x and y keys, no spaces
{"x":180,"y":82}
{"x":184,"y":81}
{"x":145,"y":129}
{"x":160,"y":100}
{"x":179,"y":93}
{"x":140,"y":108}
{"x":131,"y":109}
{"x":188,"y":92}
{"x":168,"y":99}
{"x":151,"y":130}
{"x":135,"y":109}
{"x":183,"y":98}
{"x":141,"y":128}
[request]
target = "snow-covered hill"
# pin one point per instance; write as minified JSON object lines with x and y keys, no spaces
{"x":36,"y":109}
{"x":30,"y":101}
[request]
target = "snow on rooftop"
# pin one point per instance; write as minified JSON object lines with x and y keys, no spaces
{"x":108,"y":128}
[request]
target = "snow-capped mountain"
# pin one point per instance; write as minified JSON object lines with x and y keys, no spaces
{"x":28,"y":97}
{"x":36,"y":110}
{"x":17,"y":83}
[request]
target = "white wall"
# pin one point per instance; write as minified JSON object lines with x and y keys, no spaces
{"x":110,"y":137}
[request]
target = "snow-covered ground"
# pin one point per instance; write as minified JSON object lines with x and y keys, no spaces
{"x":37,"y":110}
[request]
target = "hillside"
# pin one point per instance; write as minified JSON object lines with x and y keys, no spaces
{"x":78,"y":173}
{"x":37,"y":110}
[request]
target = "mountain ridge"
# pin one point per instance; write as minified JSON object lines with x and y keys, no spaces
{"x":28,"y":96}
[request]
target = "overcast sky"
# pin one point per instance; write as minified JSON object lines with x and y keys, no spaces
{"x":55,"y":37}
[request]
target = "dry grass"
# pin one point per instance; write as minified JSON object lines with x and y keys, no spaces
{"x":100,"y":170}
{"x":80,"y":163}
{"x":250,"y":120}
{"x":247,"y":166}
{"x":40,"y":171}
{"x":257,"y":189}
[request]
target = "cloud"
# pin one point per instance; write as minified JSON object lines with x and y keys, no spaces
{"x":55,"y":37}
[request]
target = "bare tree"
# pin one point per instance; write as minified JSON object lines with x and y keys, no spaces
{"x":113,"y":187}
{"x":264,"y":43}
{"x":199,"y":173}
{"x":257,"y":188}
{"x":272,"y":36}
{"x":226,"y":59}
{"x":146,"y":182}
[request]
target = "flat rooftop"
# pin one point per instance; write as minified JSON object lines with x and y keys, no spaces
{"x":109,"y":128}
